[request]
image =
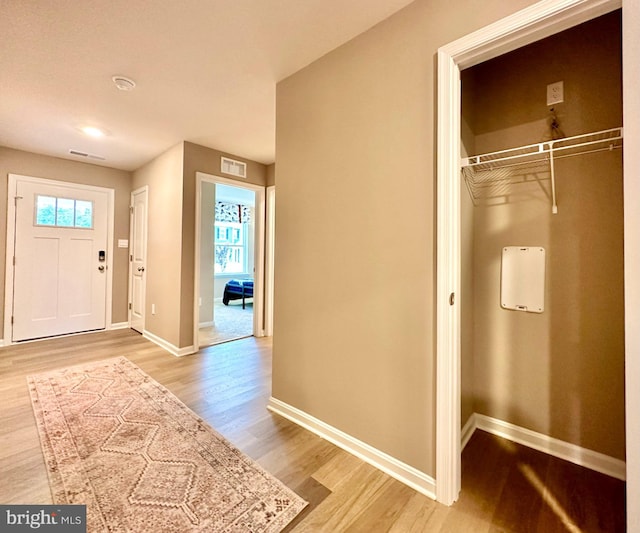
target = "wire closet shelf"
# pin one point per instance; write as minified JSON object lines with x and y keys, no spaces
{"x":496,"y":171}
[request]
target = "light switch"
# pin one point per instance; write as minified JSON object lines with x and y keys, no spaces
{"x":123,"y":243}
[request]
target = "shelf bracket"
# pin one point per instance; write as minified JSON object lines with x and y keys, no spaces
{"x":554,"y":205}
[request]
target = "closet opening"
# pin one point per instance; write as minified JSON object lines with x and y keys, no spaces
{"x":542,"y":348}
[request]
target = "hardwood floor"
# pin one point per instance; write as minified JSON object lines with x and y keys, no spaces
{"x":506,"y":487}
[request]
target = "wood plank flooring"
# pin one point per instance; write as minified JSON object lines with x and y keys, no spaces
{"x":506,"y":487}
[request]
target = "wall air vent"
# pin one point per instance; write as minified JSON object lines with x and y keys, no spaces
{"x":85,"y":154}
{"x":233,"y":167}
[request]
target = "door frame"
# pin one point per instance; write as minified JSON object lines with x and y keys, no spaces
{"x":11,"y":241}
{"x":259,"y":251}
{"x":143,"y":189}
{"x":524,"y":27}
{"x":269,"y":273}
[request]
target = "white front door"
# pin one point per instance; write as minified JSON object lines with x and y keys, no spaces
{"x":60,"y":272}
{"x":138,"y":258}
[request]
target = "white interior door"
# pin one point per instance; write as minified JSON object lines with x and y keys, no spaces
{"x":138,"y":258}
{"x":60,"y":272}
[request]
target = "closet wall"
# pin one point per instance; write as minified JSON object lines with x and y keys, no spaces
{"x":560,"y":373}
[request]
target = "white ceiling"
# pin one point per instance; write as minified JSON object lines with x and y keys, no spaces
{"x":205,"y":71}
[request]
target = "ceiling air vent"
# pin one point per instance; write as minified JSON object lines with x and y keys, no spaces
{"x":233,"y":167}
{"x":85,"y":154}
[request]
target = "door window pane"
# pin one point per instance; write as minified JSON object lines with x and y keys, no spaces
{"x":45,"y":211}
{"x":65,"y":212}
{"x":84,"y":214}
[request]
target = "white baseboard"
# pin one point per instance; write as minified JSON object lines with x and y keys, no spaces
{"x":167,"y":345}
{"x":408,"y":475}
{"x":467,"y":431}
{"x":119,"y":325}
{"x":555,"y":447}
{"x":1,"y":342}
{"x":206,"y":324}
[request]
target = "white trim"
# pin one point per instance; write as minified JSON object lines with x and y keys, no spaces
{"x":557,"y":448}
{"x":119,"y":325}
{"x":467,"y":431}
{"x":258,"y":292}
{"x":11,"y":235}
{"x":259,"y":254}
{"x":174,"y":350}
{"x":196,"y":262}
{"x":448,"y":467}
{"x":62,"y":335}
{"x":208,"y":324}
{"x":631,"y":112}
{"x":404,"y":473}
{"x":526,"y":26}
{"x":269,"y":274}
{"x":1,"y":343}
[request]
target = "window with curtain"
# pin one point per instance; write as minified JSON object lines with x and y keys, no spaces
{"x":232,"y":223}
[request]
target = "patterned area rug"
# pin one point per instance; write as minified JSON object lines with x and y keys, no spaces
{"x":119,"y":442}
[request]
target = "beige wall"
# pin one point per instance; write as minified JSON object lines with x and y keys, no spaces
{"x":561,"y":372}
{"x":41,"y":166}
{"x":271,"y":175}
{"x":163,"y":175}
{"x":355,"y":228}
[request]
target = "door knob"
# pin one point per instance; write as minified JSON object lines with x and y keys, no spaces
{"x":101,"y":268}
{"x":140,"y":269}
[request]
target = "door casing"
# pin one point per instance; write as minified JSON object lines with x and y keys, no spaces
{"x":259,"y":253}
{"x":269,"y":274}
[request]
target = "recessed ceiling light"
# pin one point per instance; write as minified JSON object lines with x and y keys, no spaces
{"x":123,"y":84}
{"x":92,"y":131}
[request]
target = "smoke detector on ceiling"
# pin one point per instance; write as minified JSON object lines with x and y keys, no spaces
{"x":123,"y":84}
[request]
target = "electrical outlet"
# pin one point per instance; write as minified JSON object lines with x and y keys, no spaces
{"x":555,"y":93}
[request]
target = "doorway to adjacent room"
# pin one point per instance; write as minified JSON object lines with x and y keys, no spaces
{"x":230,"y":260}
